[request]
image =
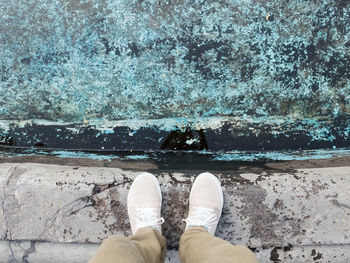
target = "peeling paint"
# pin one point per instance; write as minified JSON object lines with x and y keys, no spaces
{"x":275,"y":68}
{"x":237,"y":156}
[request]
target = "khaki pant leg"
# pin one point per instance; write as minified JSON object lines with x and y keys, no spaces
{"x":146,"y":246}
{"x":198,"y":246}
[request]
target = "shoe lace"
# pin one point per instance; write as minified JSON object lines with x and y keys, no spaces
{"x":202,"y":216}
{"x":146,"y":217}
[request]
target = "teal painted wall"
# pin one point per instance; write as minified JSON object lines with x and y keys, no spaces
{"x":108,"y":60}
{"x":145,"y":59}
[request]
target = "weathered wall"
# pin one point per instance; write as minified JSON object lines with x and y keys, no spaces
{"x":279,"y":69}
{"x":116,"y":59}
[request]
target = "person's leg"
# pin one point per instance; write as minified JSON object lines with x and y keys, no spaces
{"x":146,"y":245}
{"x":198,"y":243}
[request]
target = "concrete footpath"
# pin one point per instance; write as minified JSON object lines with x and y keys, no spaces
{"x":59,"y":213}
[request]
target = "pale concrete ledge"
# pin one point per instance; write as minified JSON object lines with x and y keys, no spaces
{"x":44,"y":252}
{"x":296,"y":216}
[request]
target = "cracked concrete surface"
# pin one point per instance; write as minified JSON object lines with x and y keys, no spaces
{"x":44,"y":252}
{"x":80,"y":253}
{"x":10,"y":204}
{"x":4,"y":173}
{"x":282,"y":213}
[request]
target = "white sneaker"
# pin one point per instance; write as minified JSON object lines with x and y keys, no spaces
{"x":206,"y":202}
{"x":144,"y":203}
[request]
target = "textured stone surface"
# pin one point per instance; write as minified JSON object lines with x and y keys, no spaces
{"x":5,"y":252}
{"x":37,"y":252}
{"x":4,"y":174}
{"x":262,"y":209}
{"x":119,"y":59}
{"x":42,"y":252}
{"x":313,"y":253}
